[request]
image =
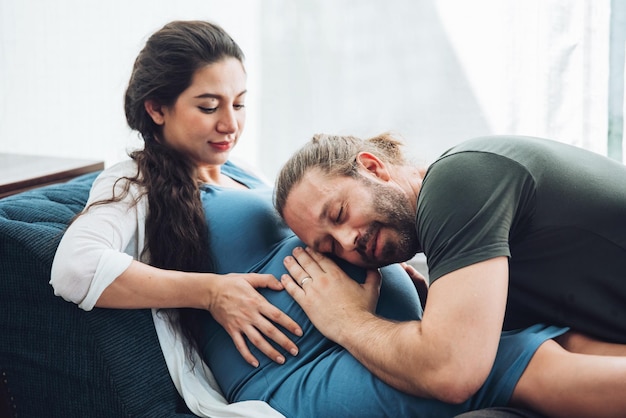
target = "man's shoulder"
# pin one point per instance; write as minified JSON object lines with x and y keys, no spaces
{"x":506,"y":145}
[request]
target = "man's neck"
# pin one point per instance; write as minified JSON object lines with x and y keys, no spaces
{"x":410,"y":179}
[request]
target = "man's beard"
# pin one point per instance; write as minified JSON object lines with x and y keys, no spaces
{"x":396,"y":213}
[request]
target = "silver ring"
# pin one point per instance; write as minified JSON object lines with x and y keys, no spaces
{"x":306,"y":279}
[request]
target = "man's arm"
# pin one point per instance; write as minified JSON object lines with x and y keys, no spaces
{"x":448,"y":355}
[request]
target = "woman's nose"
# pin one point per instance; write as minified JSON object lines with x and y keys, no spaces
{"x":228,"y":122}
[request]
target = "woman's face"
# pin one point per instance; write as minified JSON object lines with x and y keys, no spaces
{"x":207,"y":118}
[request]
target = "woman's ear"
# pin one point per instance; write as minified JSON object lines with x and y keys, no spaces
{"x":155,"y":110}
{"x":373,"y":165}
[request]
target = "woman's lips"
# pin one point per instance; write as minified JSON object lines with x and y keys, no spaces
{"x":221,"y":146}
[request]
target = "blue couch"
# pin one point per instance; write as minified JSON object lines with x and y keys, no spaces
{"x":55,"y":359}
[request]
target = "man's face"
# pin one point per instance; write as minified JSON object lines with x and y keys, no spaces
{"x":369,"y":223}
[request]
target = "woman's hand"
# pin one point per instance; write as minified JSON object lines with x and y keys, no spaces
{"x":232,"y":299}
{"x":245,"y":313}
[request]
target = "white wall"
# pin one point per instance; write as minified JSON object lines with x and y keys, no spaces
{"x":435,"y":71}
{"x":64,"y":66}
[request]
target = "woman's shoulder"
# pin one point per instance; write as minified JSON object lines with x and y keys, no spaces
{"x":108,"y":182}
{"x":244,"y":172}
{"x":121,"y":169}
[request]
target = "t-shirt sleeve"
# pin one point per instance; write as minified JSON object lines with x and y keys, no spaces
{"x":468,"y":205}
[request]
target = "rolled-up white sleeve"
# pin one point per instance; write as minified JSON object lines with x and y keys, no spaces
{"x":101,"y":243}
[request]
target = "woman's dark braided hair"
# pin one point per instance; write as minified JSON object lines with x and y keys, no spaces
{"x":176,"y":228}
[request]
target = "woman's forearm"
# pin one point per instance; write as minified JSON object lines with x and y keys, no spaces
{"x":144,"y":286}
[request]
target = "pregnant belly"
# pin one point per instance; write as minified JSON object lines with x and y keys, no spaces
{"x":238,"y":380}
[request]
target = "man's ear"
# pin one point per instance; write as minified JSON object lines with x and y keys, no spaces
{"x":155,"y":110}
{"x":373,"y":165}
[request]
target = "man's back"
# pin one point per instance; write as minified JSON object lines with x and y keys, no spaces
{"x":557,"y":211}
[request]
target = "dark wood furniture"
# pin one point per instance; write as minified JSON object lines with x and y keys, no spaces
{"x":19,"y":172}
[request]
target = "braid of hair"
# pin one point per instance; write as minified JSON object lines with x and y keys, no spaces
{"x":177,"y":236}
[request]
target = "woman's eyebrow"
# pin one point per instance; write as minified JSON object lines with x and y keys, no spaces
{"x":216,"y":96}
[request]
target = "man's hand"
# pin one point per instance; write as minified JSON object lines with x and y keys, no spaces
{"x":447,"y":355}
{"x":329,"y":297}
{"x":420,"y":282}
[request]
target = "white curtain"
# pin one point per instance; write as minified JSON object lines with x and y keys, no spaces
{"x":435,"y":71}
{"x":64,"y":66}
{"x":537,"y":67}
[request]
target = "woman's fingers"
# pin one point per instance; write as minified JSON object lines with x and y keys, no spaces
{"x":242,"y":347}
{"x":270,"y":311}
{"x":258,"y":334}
{"x":276,"y":316}
{"x":264,"y":281}
{"x":259,"y":341}
{"x":253,"y":335}
{"x":249,"y":318}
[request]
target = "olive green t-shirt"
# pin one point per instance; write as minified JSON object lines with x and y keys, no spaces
{"x":557,"y":211}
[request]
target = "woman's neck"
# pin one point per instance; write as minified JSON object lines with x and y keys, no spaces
{"x":213,"y":175}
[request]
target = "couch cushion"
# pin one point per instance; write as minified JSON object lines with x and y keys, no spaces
{"x":55,"y":359}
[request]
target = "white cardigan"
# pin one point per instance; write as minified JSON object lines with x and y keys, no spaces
{"x":96,"y":249}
